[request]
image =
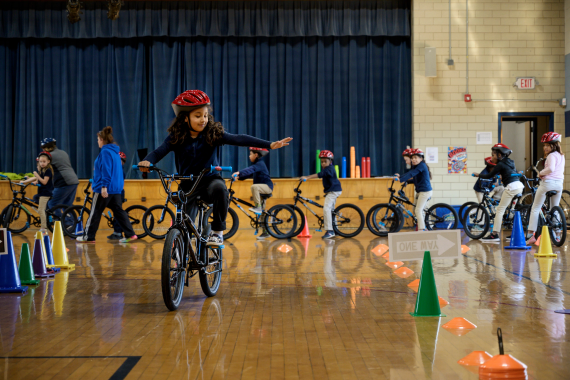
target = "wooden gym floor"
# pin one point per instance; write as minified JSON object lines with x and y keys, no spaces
{"x":284,"y":311}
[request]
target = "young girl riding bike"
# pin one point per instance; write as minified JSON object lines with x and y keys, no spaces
{"x":44,"y":176}
{"x":195,"y":138}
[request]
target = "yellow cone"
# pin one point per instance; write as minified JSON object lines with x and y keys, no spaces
{"x":44,"y":252}
{"x":58,"y":248}
{"x":545,"y":265}
{"x":545,"y":248}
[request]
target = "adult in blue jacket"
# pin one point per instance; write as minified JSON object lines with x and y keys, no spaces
{"x":107,"y":186}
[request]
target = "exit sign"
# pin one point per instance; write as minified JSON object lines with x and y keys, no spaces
{"x":525,"y":83}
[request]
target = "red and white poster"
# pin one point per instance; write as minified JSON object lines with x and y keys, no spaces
{"x":457,"y":160}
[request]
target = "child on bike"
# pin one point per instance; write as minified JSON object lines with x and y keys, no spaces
{"x":552,"y":178}
{"x":196,"y":139}
{"x":262,"y":183}
{"x":406,"y":154}
{"x":117,"y":231}
{"x":513,"y":186}
{"x":43,"y":176}
{"x":479,"y":185}
{"x":421,"y":175}
{"x":332,"y":188}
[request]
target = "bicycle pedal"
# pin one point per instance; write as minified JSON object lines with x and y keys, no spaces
{"x":255,"y":233}
{"x":319,"y":230}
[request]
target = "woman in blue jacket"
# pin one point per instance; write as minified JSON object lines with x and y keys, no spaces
{"x":107,"y":187}
{"x":422,"y":176}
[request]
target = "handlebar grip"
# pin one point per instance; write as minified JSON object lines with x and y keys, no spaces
{"x":304,"y":180}
{"x":220,"y":168}
{"x":2,"y":175}
{"x":136,"y":167}
{"x":90,"y":180}
{"x":396,"y":179}
{"x":516,"y":175}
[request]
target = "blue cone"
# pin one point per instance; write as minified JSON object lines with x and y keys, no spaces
{"x":517,"y":238}
{"x":49,"y":254}
{"x":517,"y":263}
{"x":9,"y":275}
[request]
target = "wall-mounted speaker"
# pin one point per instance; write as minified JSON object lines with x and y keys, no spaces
{"x":431,"y":70}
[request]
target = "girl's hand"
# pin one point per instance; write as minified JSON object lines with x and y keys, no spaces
{"x":235,"y":175}
{"x":281,"y":143}
{"x":36,"y":174}
{"x":475,"y":174}
{"x":303,"y":178}
{"x":104,"y":192}
{"x":145,"y":164}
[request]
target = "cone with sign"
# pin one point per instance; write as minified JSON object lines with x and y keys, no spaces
{"x":545,"y":248}
{"x":427,"y":301}
{"x":517,"y":237}
{"x":25,"y":268}
{"x":40,"y":269}
{"x":9,"y":276}
{"x":305,"y":233}
{"x":58,"y":248}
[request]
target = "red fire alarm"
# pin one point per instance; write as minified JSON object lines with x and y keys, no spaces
{"x":467,"y":98}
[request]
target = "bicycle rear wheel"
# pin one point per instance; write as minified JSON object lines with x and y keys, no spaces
{"x":348,"y":220}
{"x":136,"y":213}
{"x":211,"y":274}
{"x":476,"y":221}
{"x":153,"y":225}
{"x":565,"y":203}
{"x":232,"y":222}
{"x":77,"y":217}
{"x":172,"y":272}
{"x":464,"y":208}
{"x":54,"y":214}
{"x":16,"y":220}
{"x":281,"y":223}
{"x":300,"y":220}
{"x":383,"y":219}
{"x":557,"y":226}
{"x":441,"y":216}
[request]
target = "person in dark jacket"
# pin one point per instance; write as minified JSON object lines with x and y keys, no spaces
{"x":422,"y":181}
{"x":505,"y":168}
{"x":480,"y":186}
{"x":107,"y":186}
{"x":195,"y":138}
{"x":262,"y":183}
{"x":117,"y":231}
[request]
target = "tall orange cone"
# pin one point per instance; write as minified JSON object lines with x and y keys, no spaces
{"x":305,"y":233}
{"x":545,"y":248}
{"x":58,"y":248}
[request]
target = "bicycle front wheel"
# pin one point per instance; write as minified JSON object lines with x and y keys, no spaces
{"x":157,"y":220}
{"x":172,"y":273}
{"x":565,"y":203}
{"x":281,"y":223}
{"x":557,"y":226}
{"x":441,"y":217}
{"x":136,"y":214}
{"x":476,"y":221}
{"x":348,"y":220}
{"x":76,"y":217}
{"x":211,"y":274}
{"x":383,"y":219}
{"x":16,"y":219}
{"x":54,"y":214}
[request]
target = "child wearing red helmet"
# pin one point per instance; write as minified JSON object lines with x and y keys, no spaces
{"x":43,"y":176}
{"x":332,"y":188}
{"x":479,"y":186}
{"x":552,"y":178}
{"x":262,"y":183}
{"x":505,"y":167}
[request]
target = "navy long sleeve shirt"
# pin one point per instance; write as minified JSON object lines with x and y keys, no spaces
{"x":420,"y":173}
{"x":194,"y":154}
{"x":259,"y":172}
{"x":330,"y":180}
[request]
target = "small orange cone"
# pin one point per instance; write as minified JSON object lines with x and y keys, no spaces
{"x":459,"y":327}
{"x":395,"y":264}
{"x":386,"y":256}
{"x":285,"y":248}
{"x":58,"y":248}
{"x":415,"y":285}
{"x":465,"y":249}
{"x":442,"y":303}
{"x":545,"y":248}
{"x":474,"y":360}
{"x":305,"y":233}
{"x":404,"y":272}
{"x":502,"y":366}
{"x":537,"y":242}
{"x":380,"y":249}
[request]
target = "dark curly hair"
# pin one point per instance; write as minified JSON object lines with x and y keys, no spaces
{"x":179,"y":128}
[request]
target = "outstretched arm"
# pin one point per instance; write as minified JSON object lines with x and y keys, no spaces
{"x":247,"y":140}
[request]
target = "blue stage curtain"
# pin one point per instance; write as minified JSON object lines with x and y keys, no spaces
{"x":33,"y":19}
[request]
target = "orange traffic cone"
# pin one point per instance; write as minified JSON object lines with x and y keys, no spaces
{"x":305,"y":233}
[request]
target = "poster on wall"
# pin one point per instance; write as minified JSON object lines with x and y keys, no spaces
{"x":457,"y":160}
{"x":431,"y":155}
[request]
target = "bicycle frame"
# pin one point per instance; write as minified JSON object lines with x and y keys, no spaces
{"x":23,"y":200}
{"x":299,"y":198}
{"x":400,"y":200}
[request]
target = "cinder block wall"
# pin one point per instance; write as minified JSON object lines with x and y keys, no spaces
{"x":507,"y":39}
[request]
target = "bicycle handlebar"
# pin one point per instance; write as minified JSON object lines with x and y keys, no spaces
{"x":220,"y":168}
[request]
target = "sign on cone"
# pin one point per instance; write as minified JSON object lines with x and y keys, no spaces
{"x":9,"y":276}
{"x":58,"y":248}
{"x":427,"y":301}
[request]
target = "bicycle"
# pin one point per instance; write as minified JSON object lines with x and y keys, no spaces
{"x":17,"y":218}
{"x":347,"y":219}
{"x":184,"y":257}
{"x":279,"y":221}
{"x":466,"y":205}
{"x":157,"y":219}
{"x":385,"y":218}
{"x":79,"y":214}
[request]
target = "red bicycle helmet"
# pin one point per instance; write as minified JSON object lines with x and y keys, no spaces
{"x":189,"y":100}
{"x":123,"y":156}
{"x":407,"y":152}
{"x":489,"y":161}
{"x":261,"y":151}
{"x":417,"y":152}
{"x":551,"y":137}
{"x":326,"y":154}
{"x":47,"y":154}
{"x":503,"y":149}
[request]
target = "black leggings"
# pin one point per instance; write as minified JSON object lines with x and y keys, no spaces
{"x":211,"y":190}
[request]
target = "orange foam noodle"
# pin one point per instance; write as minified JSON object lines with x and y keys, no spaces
{"x":357,"y":172}
{"x":404,"y":272}
{"x":395,"y":264}
{"x":465,"y":249}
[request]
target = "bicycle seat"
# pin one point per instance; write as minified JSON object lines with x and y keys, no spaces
{"x":266,"y":196}
{"x":551,"y":193}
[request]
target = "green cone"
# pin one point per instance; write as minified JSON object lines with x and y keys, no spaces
{"x":427,"y":302}
{"x":25,"y":268}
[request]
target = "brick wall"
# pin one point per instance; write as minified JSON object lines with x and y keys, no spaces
{"x":507,"y":39}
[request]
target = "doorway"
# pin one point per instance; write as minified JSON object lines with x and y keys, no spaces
{"x":522,"y":131}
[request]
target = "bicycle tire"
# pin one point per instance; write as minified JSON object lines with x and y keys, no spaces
{"x":233,"y":222}
{"x":172,"y":283}
{"x":565,"y":203}
{"x":464,"y":208}
{"x":275,"y":227}
{"x":476,"y":230}
{"x":356,"y":228}
{"x":52,"y":219}
{"x":136,"y":219}
{"x":389,"y":221}
{"x":526,"y":200}
{"x":2,"y":215}
{"x":432,"y":219}
{"x":73,"y":213}
{"x":559,"y":225}
{"x":300,"y":220}
{"x":210,"y":283}
{"x":12,"y":221}
{"x":153,"y":226}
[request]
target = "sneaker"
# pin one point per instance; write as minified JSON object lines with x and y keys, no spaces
{"x":215,"y":240}
{"x":492,"y":237}
{"x":530,"y":239}
{"x":264,"y":235}
{"x":127,"y":240}
{"x":329,"y":235}
{"x":256,"y":210}
{"x":84,"y":239}
{"x":115,"y":236}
